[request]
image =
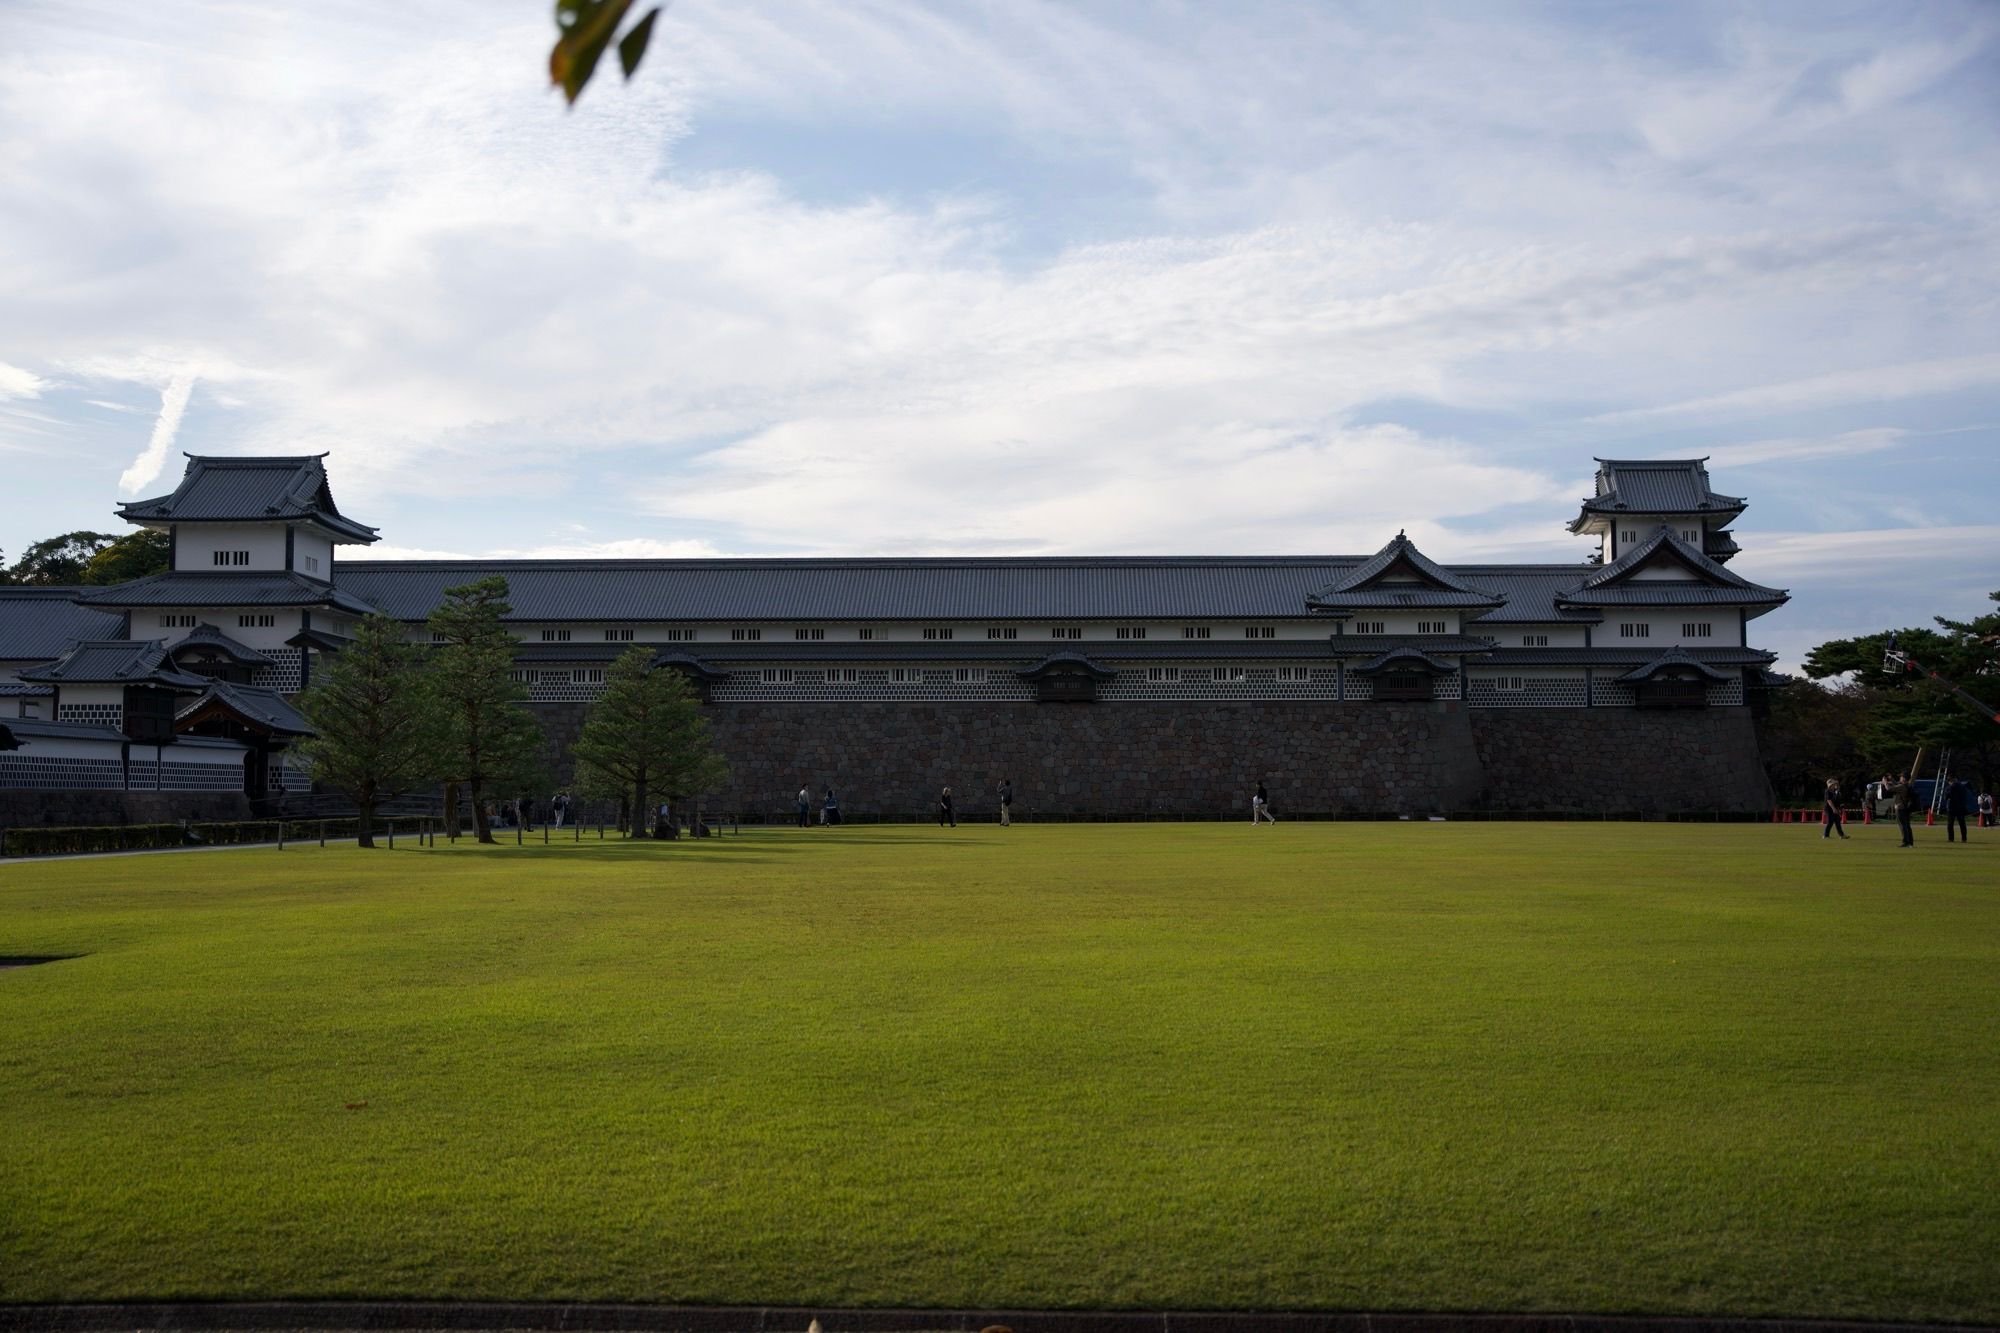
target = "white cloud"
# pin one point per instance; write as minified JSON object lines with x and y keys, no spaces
{"x":18,"y":383}
{"x":148,"y":465}
{"x":624,"y":548}
{"x":1872,"y":385}
{"x":1869,"y":554}
{"x":1870,"y":440}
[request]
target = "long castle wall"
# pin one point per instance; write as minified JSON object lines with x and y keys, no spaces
{"x":1135,"y":759}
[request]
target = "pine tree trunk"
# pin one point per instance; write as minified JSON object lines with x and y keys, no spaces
{"x":642,"y":815}
{"x":479,"y":824}
{"x":451,"y":827}
{"x":364,"y":821}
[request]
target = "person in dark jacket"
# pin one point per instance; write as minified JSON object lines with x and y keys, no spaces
{"x":1957,"y":805}
{"x":1006,"y":802}
{"x":945,"y":815}
{"x":1900,"y":796}
{"x":829,"y":808}
{"x":805,"y":807}
{"x":1830,"y":820}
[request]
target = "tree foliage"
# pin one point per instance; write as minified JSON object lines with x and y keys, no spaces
{"x":646,"y":734}
{"x":1883,"y":714}
{"x":584,"y":30}
{"x":487,"y":740}
{"x":90,"y":558}
{"x":376,"y":718}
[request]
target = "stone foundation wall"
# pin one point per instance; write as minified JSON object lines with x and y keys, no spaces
{"x":1135,"y":759}
{"x":66,"y":809}
{"x":1655,"y":761}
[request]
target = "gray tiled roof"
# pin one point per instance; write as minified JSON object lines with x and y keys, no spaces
{"x":115,"y":662}
{"x":1658,"y":486}
{"x":249,"y":588}
{"x":1373,"y":645}
{"x":208,"y":637}
{"x":39,"y":624}
{"x":27,"y":729}
{"x":1673,"y":657}
{"x":1531,"y":592}
{"x":250,"y":490}
{"x":1070,"y":659}
{"x":14,"y":690}
{"x":1614,"y":584}
{"x":958,"y":650}
{"x":259,"y":706}
{"x":1103,"y":588}
{"x":1620,"y":657}
{"x":1402,"y":657}
{"x":1361,"y":586}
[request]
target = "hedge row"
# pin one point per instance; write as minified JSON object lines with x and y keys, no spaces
{"x":145,"y":837}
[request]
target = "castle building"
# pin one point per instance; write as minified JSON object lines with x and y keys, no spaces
{"x":1102,"y":685}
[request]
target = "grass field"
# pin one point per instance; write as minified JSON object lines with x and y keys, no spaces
{"x":1592,"y":1067}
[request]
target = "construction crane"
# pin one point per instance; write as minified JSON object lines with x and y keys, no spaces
{"x":1895,"y":657}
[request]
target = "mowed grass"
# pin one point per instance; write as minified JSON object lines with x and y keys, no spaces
{"x":1588,"y":1067}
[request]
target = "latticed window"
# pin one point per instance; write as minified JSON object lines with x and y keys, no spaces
{"x":620,"y":635}
{"x":1194,"y":631}
{"x":746,"y":635}
{"x":1131,"y":631}
{"x":260,"y":621}
{"x":1534,"y":640}
{"x":555,"y":636}
{"x":937,"y":631}
{"x":1698,"y":630}
{"x":1430,"y":627}
{"x":676,"y":636}
{"x":1630,"y":631}
{"x":1371,"y":627}
{"x":1002,"y":632}
{"x":1066,"y":632}
{"x":809,"y":632}
{"x":865,"y":632}
{"x":1260,"y":631}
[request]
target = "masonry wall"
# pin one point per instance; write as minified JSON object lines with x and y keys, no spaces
{"x":1205,"y":759}
{"x":63,"y":809}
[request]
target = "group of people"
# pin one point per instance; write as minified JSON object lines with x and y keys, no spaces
{"x":520,"y":812}
{"x":947,"y":813}
{"x":1900,"y":795}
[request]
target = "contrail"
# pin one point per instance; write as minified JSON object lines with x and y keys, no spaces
{"x":147,"y":465}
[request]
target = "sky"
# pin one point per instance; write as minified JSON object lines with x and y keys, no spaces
{"x":841,"y":277}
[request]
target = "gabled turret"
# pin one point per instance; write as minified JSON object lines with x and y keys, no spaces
{"x":1635,"y":496}
{"x":264,"y":514}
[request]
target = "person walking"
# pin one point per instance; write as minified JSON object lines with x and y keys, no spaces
{"x":805,"y":807}
{"x":528,"y":813}
{"x":1006,"y":803}
{"x":559,"y":804}
{"x":1830,"y":820}
{"x":1986,"y":809}
{"x":1957,"y":805}
{"x":1260,"y":806}
{"x":945,"y":815}
{"x":1899,"y":794}
{"x":829,"y":807}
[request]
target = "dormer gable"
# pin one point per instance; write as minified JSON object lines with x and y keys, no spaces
{"x":1400,"y":575}
{"x":1664,"y":570}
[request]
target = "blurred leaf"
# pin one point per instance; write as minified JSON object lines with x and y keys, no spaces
{"x":587,"y":27}
{"x":632,"y":48}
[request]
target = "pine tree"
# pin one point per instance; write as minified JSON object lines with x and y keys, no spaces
{"x":375,"y":719}
{"x":646,"y":733}
{"x":487,"y":736}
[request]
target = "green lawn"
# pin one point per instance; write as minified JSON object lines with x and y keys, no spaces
{"x":1605,"y":1067}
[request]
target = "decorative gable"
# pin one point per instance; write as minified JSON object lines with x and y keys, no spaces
{"x":1400,"y":575}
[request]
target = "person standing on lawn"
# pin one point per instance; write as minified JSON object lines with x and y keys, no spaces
{"x":1830,"y":821}
{"x":1006,"y":802}
{"x":945,"y":815}
{"x":1957,"y":805}
{"x":1986,"y":809}
{"x":1899,"y":794}
{"x":829,"y":808}
{"x":805,"y":807}
{"x":1260,"y":806}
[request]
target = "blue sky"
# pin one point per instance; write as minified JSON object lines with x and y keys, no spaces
{"x":834,"y":277}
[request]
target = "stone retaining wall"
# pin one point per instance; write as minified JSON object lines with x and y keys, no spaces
{"x":1204,"y":760}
